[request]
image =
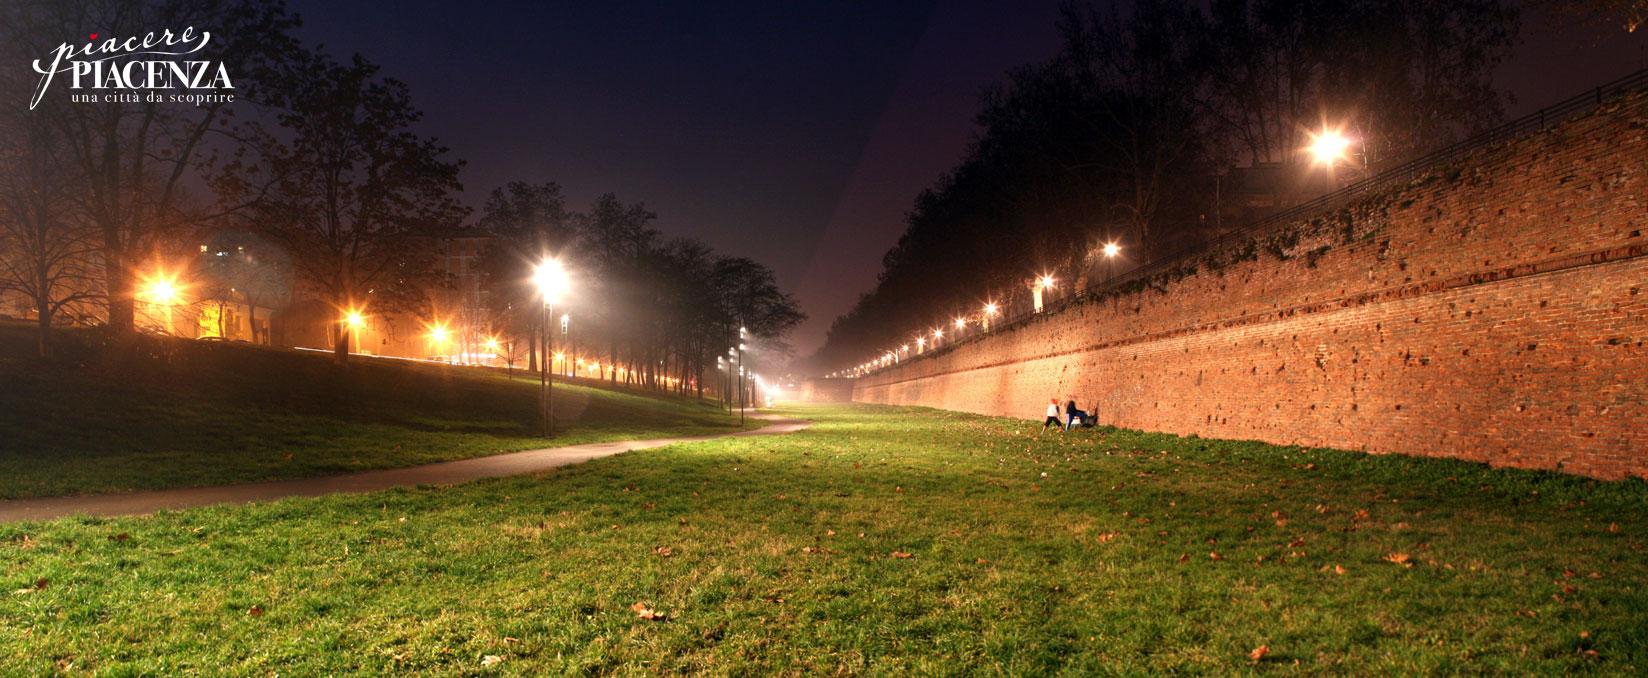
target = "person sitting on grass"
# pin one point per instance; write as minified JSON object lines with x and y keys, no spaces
{"x":1052,"y":414}
{"x":1072,"y":417}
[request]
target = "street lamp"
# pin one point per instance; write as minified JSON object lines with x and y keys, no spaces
{"x":1328,"y":147}
{"x":1111,"y":249}
{"x":353,"y":321}
{"x":162,"y":290}
{"x":990,"y":311}
{"x":551,"y":279}
{"x":742,"y":333}
{"x":1045,"y":282}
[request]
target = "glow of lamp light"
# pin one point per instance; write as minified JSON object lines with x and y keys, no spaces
{"x":1045,"y":281}
{"x":961,"y":323}
{"x":438,"y":334}
{"x":990,"y":308}
{"x":491,"y":344}
{"x":354,"y":319}
{"x":161,"y":290}
{"x":551,"y":279}
{"x":1328,"y":147}
{"x":1112,"y":249}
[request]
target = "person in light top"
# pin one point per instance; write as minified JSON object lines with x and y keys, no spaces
{"x":1052,"y":415}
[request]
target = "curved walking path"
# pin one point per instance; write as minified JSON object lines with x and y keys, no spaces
{"x":442,"y":473}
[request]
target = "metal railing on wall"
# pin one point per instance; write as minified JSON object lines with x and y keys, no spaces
{"x":1015,"y":309}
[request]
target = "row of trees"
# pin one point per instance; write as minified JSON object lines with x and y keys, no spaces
{"x":319,"y":160}
{"x":90,"y":191}
{"x":1130,"y":131}
{"x":658,"y":307}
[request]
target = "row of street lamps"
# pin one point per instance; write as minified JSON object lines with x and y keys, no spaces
{"x":1328,"y":148}
{"x":987,"y":313}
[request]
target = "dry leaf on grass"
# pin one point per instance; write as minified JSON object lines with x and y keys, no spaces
{"x":1400,"y":558}
{"x":491,"y":660}
{"x":643,"y":612}
{"x":255,"y":610}
{"x":663,"y":551}
{"x":1259,"y":653}
{"x":901,"y":554}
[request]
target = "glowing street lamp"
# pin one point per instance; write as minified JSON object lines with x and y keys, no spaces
{"x":1111,"y":250}
{"x":162,"y":290}
{"x":438,"y":335}
{"x":1328,"y":147}
{"x":1045,"y":282}
{"x":990,"y":311}
{"x":353,"y":321}
{"x":551,"y":279}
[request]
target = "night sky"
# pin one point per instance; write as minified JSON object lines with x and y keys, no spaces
{"x":795,"y":133}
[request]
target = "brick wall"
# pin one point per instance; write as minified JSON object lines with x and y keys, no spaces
{"x":1495,"y":310}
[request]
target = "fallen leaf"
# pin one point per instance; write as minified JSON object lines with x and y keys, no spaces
{"x":829,"y":533}
{"x":1105,"y":537}
{"x":901,"y":554}
{"x":1214,"y":555}
{"x":1361,"y":514}
{"x":663,"y":551}
{"x":1338,"y":569}
{"x":1613,"y":527}
{"x":982,"y":561}
{"x":1259,"y":653}
{"x":643,"y":612}
{"x":1184,"y":557}
{"x":255,"y":610}
{"x":491,"y":660}
{"x":1399,"y":558}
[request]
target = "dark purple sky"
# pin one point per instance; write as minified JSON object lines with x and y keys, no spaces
{"x":796,"y":133}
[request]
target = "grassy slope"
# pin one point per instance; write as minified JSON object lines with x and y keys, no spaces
{"x":781,"y":559}
{"x":178,"y":413}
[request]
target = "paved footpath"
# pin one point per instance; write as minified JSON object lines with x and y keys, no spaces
{"x":443,"y":473}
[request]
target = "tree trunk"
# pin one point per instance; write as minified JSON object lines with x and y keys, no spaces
{"x":44,"y":311}
{"x":340,"y":344}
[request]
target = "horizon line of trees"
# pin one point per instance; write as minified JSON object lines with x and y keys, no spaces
{"x":1131,"y":131}
{"x":319,"y":158}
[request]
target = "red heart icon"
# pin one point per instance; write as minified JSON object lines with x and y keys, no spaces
{"x":94,"y":36}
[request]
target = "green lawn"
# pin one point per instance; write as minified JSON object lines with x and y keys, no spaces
{"x":168,"y":413}
{"x":879,"y":541}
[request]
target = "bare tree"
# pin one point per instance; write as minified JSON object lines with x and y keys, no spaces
{"x":46,"y":252}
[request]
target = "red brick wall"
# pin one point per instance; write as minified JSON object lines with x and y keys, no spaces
{"x":1495,"y":311}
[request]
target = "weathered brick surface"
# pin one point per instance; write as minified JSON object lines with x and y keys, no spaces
{"x":1497,"y":312}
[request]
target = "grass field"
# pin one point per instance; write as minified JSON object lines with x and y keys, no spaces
{"x":169,"y":413}
{"x":879,"y":541}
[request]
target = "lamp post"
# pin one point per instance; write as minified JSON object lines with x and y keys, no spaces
{"x":551,"y":279}
{"x":742,"y":332}
{"x":1111,"y":249}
